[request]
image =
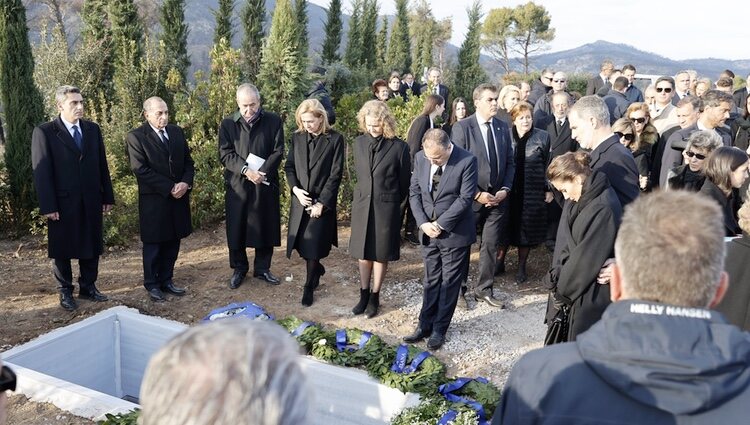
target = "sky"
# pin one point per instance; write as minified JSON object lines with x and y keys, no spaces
{"x":720,"y":32}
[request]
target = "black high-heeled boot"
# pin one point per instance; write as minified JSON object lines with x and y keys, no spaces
{"x":364,"y":298}
{"x":373,"y":305}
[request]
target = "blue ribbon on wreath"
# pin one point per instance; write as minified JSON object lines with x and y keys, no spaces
{"x":301,"y":328}
{"x":447,"y":391}
{"x":402,"y":354}
{"x":342,"y":343}
{"x":248,"y":310}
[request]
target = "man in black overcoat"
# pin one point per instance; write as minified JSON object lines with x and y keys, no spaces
{"x":489,"y":139}
{"x":74,"y":189}
{"x":160,"y":159}
{"x":252,"y":189}
{"x":441,"y":193}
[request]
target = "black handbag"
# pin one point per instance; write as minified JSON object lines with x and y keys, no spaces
{"x":557,"y":327}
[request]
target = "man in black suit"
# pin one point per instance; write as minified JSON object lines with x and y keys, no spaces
{"x":252,"y":188}
{"x":74,"y":189}
{"x":681,"y":85}
{"x":596,"y":82}
{"x":160,"y":159}
{"x":434,"y":86}
{"x":441,"y":193}
{"x":489,"y":140}
{"x":408,"y":87}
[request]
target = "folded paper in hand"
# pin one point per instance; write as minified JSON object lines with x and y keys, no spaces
{"x":254,"y":162}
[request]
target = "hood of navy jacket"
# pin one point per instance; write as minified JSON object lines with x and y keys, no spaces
{"x":677,"y":359}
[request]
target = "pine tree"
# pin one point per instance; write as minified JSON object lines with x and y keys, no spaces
{"x":301,"y":11}
{"x":469,"y":73}
{"x":333,"y":29}
{"x":127,"y":31}
{"x":253,"y":16}
{"x":174,"y":35}
{"x":224,"y":25}
{"x":353,"y":53}
{"x":369,"y":33}
{"x":382,"y":44}
{"x":23,"y":107}
{"x":283,"y":70}
{"x":399,"y":48}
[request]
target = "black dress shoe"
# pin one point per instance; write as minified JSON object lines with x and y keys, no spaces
{"x":412,"y":238}
{"x":67,"y":302}
{"x":489,"y":299}
{"x":236,"y":279}
{"x":418,"y":335}
{"x":93,"y":295}
{"x":169,"y":288}
{"x":521,"y":277}
{"x":268,"y":277}
{"x":436,"y":341}
{"x":156,"y":295}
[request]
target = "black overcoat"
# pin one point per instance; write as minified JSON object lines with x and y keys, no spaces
{"x":74,"y":183}
{"x":382,"y":184}
{"x":157,"y":168}
{"x":313,"y":237}
{"x":736,"y":302}
{"x":589,"y":233}
{"x":252,"y":211}
{"x":528,"y":210}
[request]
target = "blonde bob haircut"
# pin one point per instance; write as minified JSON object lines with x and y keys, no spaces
{"x":316,"y":108}
{"x":378,"y":110}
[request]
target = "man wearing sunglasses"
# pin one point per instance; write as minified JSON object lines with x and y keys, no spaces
{"x":541,"y":87}
{"x":543,"y":106}
{"x":7,"y":383}
{"x":664,"y":113}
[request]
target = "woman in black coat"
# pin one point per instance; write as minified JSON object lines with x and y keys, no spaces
{"x":736,"y":303}
{"x":313,"y":171}
{"x":459,"y":111}
{"x":527,"y":225}
{"x":383,"y":169}
{"x":726,"y":171}
{"x":741,"y":128}
{"x":594,"y":214}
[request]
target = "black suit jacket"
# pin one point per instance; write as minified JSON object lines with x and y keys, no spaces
{"x":467,"y":134}
{"x":560,"y":141}
{"x":74,"y":183}
{"x":157,"y":169}
{"x":407,"y":91}
{"x":452,"y":202}
{"x":616,"y":161}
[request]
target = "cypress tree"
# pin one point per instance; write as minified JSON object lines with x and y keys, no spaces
{"x":174,"y":35}
{"x":253,"y":16}
{"x":95,"y":21}
{"x":399,"y":49}
{"x":23,"y":107}
{"x":369,"y":33}
{"x":283,"y":71}
{"x":301,"y":10}
{"x":333,"y":29}
{"x":223,"y":17}
{"x":353,"y":54}
{"x":469,"y":73}
{"x":127,"y":31}
{"x":382,"y":43}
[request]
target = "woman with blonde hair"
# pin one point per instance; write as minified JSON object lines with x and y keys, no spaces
{"x":625,"y":130}
{"x":314,"y":166}
{"x":509,"y":97}
{"x":383,"y":168}
{"x":726,"y":171}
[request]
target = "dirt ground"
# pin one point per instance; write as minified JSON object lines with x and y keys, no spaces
{"x":29,"y":302}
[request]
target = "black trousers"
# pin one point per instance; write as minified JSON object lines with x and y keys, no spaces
{"x":491,"y":223}
{"x":444,"y":272}
{"x":261,"y":262}
{"x":158,"y":263}
{"x":89,"y":271}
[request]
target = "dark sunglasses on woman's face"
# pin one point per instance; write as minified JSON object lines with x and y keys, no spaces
{"x":691,"y":154}
{"x":664,"y":89}
{"x":627,"y":136}
{"x":7,"y":379}
{"x":639,"y":120}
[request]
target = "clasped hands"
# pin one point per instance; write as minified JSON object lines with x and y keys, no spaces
{"x":303,"y":196}
{"x":256,"y":177}
{"x":179,"y":190}
{"x":431,"y":229}
{"x":490,"y":200}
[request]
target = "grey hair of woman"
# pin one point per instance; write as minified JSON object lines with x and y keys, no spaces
{"x":227,"y":372}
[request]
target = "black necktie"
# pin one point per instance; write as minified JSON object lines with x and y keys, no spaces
{"x":493,"y":154}
{"x":77,"y":138}
{"x":436,"y":180}
{"x":164,"y":140}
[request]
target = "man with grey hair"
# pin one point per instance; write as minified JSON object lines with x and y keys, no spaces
{"x":228,"y":372}
{"x":72,"y":182}
{"x":440,"y":195}
{"x":434,"y":85}
{"x":658,"y":355}
{"x":160,"y":159}
{"x":251,"y":147}
{"x":681,"y":85}
{"x":543,"y":106}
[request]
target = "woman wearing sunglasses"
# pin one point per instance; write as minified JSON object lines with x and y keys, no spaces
{"x":726,"y":171}
{"x":689,"y":176}
{"x":625,"y":129}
